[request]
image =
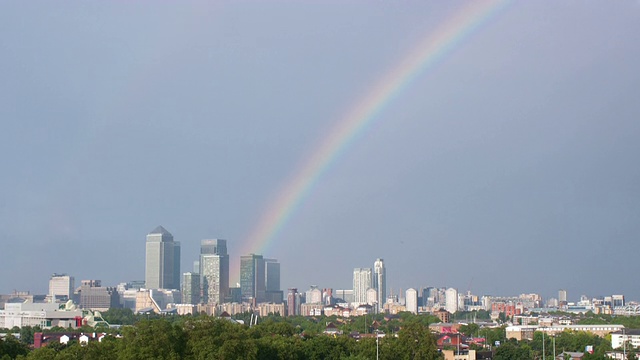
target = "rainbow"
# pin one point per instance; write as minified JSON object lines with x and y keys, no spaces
{"x":433,"y":48}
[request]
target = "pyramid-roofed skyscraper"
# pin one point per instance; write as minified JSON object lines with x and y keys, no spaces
{"x":162,"y":265}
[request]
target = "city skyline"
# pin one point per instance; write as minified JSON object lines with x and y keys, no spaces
{"x":362,"y":278}
{"x":485,"y":145}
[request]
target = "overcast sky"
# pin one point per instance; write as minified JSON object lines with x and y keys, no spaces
{"x":510,"y":166}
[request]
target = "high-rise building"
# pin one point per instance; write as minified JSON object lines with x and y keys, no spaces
{"x":252,"y":277}
{"x":451,"y":300}
{"x":344,"y":296}
{"x":190,"y":288}
{"x":562,"y":298}
{"x":617,"y":301}
{"x":272,"y":281}
{"x":292,"y":306}
{"x":412,"y":300}
{"x":96,"y":297}
{"x":362,"y":281}
{"x":61,"y":286}
{"x":214,"y":271}
{"x":429,"y":295}
{"x":380,"y":282}
{"x":162,"y":267}
{"x":272,"y":274}
{"x":314,"y":295}
{"x":372,"y":298}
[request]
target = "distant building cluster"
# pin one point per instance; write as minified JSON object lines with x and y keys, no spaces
{"x":206,"y":289}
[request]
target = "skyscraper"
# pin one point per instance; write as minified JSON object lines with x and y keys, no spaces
{"x":292,"y":306}
{"x":252,"y":277}
{"x":61,"y":286}
{"x":190,"y":288}
{"x":214,"y":271}
{"x":451,"y":300}
{"x":380,"y":282}
{"x":362,"y":281}
{"x":272,"y":281}
{"x":272,"y":274}
{"x":562,"y":297}
{"x":412,"y":300}
{"x":162,"y":265}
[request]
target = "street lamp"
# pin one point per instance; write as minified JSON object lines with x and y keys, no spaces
{"x":624,"y":348}
{"x":377,"y":345}
{"x":543,"y":343}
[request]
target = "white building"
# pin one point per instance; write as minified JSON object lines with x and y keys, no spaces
{"x":451,"y":300}
{"x":45,"y":315}
{"x":380,"y":282}
{"x":520,"y":332}
{"x":61,"y":286}
{"x":412,"y":300}
{"x":630,"y":336}
{"x":362,"y":281}
{"x":314,"y":295}
{"x":156,"y":300}
{"x":372,"y":298}
{"x":214,"y":271}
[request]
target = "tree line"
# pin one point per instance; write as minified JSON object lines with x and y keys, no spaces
{"x":204,"y":337}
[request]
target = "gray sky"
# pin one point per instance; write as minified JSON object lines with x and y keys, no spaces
{"x":511,"y":166}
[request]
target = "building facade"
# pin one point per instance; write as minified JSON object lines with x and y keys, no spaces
{"x":94,"y":296}
{"x":44,"y":315}
{"x":362,"y":281}
{"x":562,"y":298}
{"x":190,"y":288}
{"x":252,"y":278}
{"x":162,"y":265}
{"x":380,"y":281}
{"x":412,"y":300}
{"x":292,"y":305}
{"x":61,"y":286}
{"x":451,"y":300}
{"x":272,"y":281}
{"x":214,"y":271}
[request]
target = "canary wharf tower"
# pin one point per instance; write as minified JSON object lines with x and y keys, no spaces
{"x":162,"y":266}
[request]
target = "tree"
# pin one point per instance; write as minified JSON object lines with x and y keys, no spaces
{"x":511,"y":351}
{"x":469,"y":329}
{"x":12,"y":347}
{"x":44,"y":353}
{"x":417,"y":342}
{"x":502,"y":317}
{"x":155,"y":339}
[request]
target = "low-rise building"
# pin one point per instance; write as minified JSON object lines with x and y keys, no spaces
{"x":441,"y":328}
{"x":265,"y":309}
{"x":521,"y":332}
{"x":570,"y":355}
{"x":443,"y":315}
{"x":467,"y":355}
{"x":628,"y":336}
{"x":44,"y":315}
{"x":311,"y":309}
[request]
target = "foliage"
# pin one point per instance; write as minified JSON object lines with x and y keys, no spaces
{"x":511,"y":351}
{"x":12,"y":347}
{"x":295,"y":338}
{"x":416,"y":342}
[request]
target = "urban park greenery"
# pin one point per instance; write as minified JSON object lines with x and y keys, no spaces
{"x":407,"y":336}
